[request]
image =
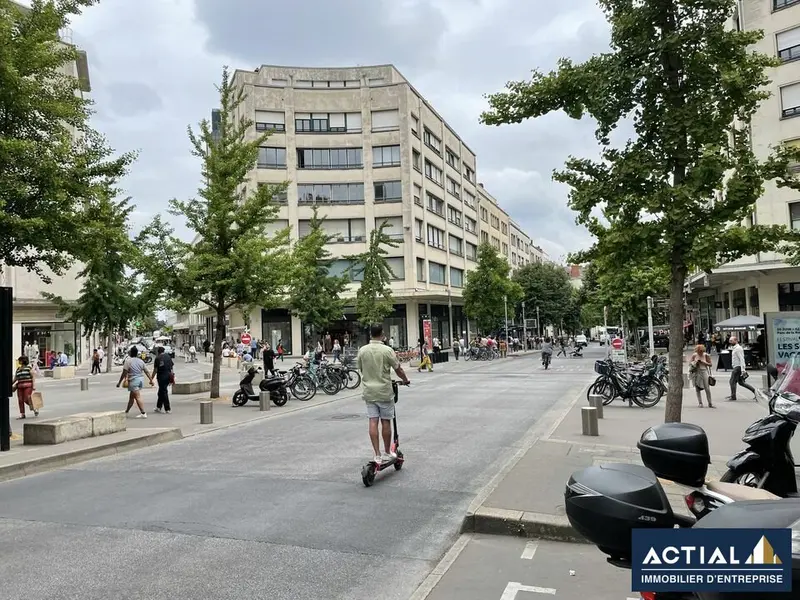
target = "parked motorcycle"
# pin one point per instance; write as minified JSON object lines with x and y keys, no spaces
{"x":276,"y":386}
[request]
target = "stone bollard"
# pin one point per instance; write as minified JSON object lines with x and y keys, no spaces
{"x":589,"y":421}
{"x":84,"y":384}
{"x":263,"y":401}
{"x":597,"y":402}
{"x":206,"y":376}
{"x":206,"y":412}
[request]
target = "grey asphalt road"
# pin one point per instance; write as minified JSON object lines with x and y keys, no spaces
{"x":276,"y":509}
{"x":509,"y":568}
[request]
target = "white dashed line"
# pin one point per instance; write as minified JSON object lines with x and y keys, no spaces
{"x":510,"y":593}
{"x":530,"y":550}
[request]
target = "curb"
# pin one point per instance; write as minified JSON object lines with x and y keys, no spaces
{"x":48,"y":463}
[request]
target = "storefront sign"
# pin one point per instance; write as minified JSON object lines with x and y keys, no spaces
{"x":427,"y":333}
{"x":783,"y":337}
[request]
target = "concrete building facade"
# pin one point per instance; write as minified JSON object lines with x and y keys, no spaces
{"x":764,"y":282}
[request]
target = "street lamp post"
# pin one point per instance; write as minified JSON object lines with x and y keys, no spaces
{"x":524,"y":329}
{"x":450,"y":314}
{"x":505,"y":304}
{"x":538,"y":324}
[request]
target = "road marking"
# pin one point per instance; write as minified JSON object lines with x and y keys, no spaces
{"x":510,"y":593}
{"x":530,"y":550}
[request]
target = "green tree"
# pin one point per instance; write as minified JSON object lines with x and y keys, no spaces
{"x":547,"y":286}
{"x":314,"y":294}
{"x":589,"y":301}
{"x":232,"y":263}
{"x":488,"y":288}
{"x":50,"y":159}
{"x":675,"y":196}
{"x":107,"y":302}
{"x":374,"y":300}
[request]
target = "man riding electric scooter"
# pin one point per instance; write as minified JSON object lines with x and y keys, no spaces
{"x":547,"y":352}
{"x":376,"y":361}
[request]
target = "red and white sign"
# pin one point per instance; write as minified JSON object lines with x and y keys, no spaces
{"x":246,"y":339}
{"x":617,"y":343}
{"x":427,"y":333}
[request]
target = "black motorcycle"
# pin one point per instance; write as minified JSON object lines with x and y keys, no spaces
{"x":276,"y":386}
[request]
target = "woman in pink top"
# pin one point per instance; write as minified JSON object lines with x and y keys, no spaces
{"x":700,"y":371}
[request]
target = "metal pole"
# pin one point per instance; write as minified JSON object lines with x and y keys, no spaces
{"x":650,"y":324}
{"x":524,"y":329}
{"x":505,"y":304}
{"x":450,"y":315}
{"x":538,"y":323}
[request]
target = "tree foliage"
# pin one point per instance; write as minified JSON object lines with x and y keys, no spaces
{"x":488,"y":288}
{"x":314,"y":294}
{"x":675,"y":196}
{"x":547,"y":286}
{"x":233,"y":262}
{"x":50,"y":159}
{"x":374,"y":300}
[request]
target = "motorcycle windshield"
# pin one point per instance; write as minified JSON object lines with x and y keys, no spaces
{"x":786,"y":401}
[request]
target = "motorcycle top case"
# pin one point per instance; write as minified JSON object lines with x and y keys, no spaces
{"x":605,"y":502}
{"x":676,"y":451}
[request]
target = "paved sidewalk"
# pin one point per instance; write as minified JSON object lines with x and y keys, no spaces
{"x":527,"y":496}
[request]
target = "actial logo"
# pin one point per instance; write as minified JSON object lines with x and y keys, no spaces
{"x":724,"y":560}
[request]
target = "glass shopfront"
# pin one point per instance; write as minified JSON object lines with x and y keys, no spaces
{"x":350,"y":332}
{"x":53,"y":337}
{"x":276,"y":326}
{"x":440,"y":323}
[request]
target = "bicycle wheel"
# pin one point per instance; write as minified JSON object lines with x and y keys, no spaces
{"x":602,"y":387}
{"x":353,"y":378}
{"x":647,"y":393}
{"x":303,"y":388}
{"x":468,"y":355}
{"x":331,"y":385}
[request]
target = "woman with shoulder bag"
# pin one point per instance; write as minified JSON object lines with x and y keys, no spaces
{"x":700,"y":374}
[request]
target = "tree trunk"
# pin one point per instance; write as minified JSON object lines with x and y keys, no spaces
{"x":219,"y":334}
{"x":109,"y":352}
{"x":672,"y":413}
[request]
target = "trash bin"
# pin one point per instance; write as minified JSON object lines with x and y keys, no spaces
{"x":444,"y":356}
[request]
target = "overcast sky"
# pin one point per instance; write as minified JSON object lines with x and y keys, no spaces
{"x":153,"y":65}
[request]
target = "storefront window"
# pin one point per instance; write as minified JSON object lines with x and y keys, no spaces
{"x":740,"y":302}
{"x":788,"y":296}
{"x":55,"y":337}
{"x":755,"y":309}
{"x":276,"y":326}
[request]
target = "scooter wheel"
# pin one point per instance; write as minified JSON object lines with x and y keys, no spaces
{"x":279,"y":398}
{"x":239,"y":398}
{"x":399,"y":462}
{"x":368,"y":474}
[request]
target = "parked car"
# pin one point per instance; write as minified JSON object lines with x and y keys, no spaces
{"x":580,"y":340}
{"x":166,"y":343}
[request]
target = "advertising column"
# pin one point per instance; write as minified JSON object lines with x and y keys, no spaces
{"x":427,"y":333}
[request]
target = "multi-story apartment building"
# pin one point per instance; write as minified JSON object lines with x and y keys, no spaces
{"x":35,"y":318}
{"x":363,"y":146}
{"x":494,"y":223}
{"x":764,"y":282}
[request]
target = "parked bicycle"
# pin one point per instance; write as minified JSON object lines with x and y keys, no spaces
{"x":299,"y":382}
{"x":636,"y":384}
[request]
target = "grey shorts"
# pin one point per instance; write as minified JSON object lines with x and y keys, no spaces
{"x":135,"y":383}
{"x":380,"y":410}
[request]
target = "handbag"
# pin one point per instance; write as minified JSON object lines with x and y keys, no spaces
{"x":125,"y":383}
{"x":37,"y":401}
{"x":712,"y":381}
{"x":172,"y":378}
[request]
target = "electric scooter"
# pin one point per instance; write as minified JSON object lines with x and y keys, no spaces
{"x":369,"y":470}
{"x":276,"y":387}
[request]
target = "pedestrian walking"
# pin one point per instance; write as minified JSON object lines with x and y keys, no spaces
{"x":739,"y":375}
{"x":424,"y":357}
{"x":700,"y":374}
{"x":254,"y":348}
{"x":456,"y":348}
{"x":337,"y":351}
{"x":206,"y":346}
{"x":134,"y":372}
{"x":280,"y":350}
{"x":192,"y":354}
{"x":24,"y":383}
{"x":562,"y":350}
{"x":164,"y":370}
{"x":269,"y":360}
{"x":95,"y":362}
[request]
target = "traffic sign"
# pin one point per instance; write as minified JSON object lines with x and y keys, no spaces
{"x":246,"y":338}
{"x":617,"y":343}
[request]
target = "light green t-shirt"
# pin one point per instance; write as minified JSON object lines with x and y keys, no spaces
{"x":376,"y":361}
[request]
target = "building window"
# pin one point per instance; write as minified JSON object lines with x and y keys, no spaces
{"x":373,"y":81}
{"x":268,"y":120}
{"x":788,"y":296}
{"x":469,"y":199}
{"x":302,"y":83}
{"x":281,"y":197}
{"x":484,"y":215}
{"x":327,"y":122}
{"x":469,"y":174}
{"x":416,"y":160}
{"x":504,"y":228}
{"x":454,"y":216}
{"x":397,"y":268}
{"x":456,"y":246}
{"x":794,"y":215}
{"x":472,"y":252}
{"x":505,"y":249}
{"x":280,"y":82}
{"x":388,"y":191}
{"x":778,"y":4}
{"x":790,"y":100}
{"x":484,"y":237}
{"x":417,"y":195}
{"x":452,"y":158}
{"x":394,"y":227}
{"x":386,"y":156}
{"x":432,"y":142}
{"x":418,"y":230}
{"x":513,"y":258}
{"x":495,"y":222}
{"x":495,"y":243}
{"x":435,"y":237}
{"x":330,"y":193}
{"x":340,"y":231}
{"x":385,"y":120}
{"x":435,"y":205}
{"x":421,"y":270}
{"x":352,"y":122}
{"x":415,"y":125}
{"x":456,"y":277}
{"x":272,"y":158}
{"x":436,"y":273}
{"x":793,"y":166}
{"x":335,"y":158}
{"x":433,"y":172}
{"x":789,"y":44}
{"x":453,"y":188}
{"x":470,"y":224}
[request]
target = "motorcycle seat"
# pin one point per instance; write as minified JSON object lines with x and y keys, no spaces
{"x":740,"y":493}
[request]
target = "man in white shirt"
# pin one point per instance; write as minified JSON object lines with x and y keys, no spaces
{"x":739,"y":368}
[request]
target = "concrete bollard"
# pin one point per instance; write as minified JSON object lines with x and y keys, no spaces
{"x":589,"y":421}
{"x":84,"y":384}
{"x":597,"y":403}
{"x":206,"y":412}
{"x":206,"y":375}
{"x":263,"y":401}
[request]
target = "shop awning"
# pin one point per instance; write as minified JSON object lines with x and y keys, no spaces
{"x":740,"y":323}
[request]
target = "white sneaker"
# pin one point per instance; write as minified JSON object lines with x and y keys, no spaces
{"x":158,"y":410}
{"x":377,"y":460}
{"x":141,"y":416}
{"x":386,"y":457}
